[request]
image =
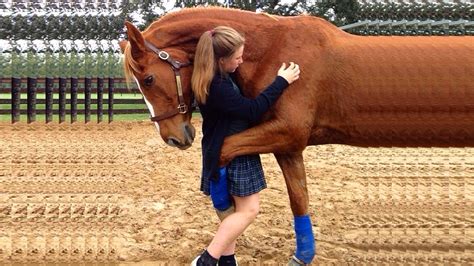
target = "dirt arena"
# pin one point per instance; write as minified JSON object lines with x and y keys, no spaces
{"x":116,"y":193}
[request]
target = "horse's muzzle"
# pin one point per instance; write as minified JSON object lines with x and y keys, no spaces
{"x":188,"y":137}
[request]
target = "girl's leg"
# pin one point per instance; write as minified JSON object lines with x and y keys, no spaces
{"x":230,"y":250}
{"x":246,"y":210}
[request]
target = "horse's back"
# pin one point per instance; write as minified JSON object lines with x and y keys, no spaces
{"x":403,"y":91}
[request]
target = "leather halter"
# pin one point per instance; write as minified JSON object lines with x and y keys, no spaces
{"x":175,"y":65}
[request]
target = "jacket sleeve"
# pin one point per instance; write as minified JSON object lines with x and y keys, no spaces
{"x":224,"y":98}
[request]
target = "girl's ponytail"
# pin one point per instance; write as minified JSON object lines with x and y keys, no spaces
{"x":204,"y":67}
{"x":220,"y":42}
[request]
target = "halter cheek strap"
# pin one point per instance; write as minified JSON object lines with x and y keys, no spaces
{"x":182,"y":107}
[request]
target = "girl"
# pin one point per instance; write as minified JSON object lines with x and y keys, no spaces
{"x":225,"y":112}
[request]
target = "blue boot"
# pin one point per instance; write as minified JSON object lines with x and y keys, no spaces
{"x":219,"y":189}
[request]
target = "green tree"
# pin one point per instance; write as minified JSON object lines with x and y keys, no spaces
{"x":194,"y":3}
{"x":19,"y":63}
{"x":62,"y":69}
{"x":275,"y":7}
{"x":92,"y":27}
{"x":20,"y":27}
{"x":89,"y":61}
{"x":101,"y":61}
{"x":65,"y":27}
{"x":75,"y":62}
{"x":102,"y":31}
{"x":53,"y":27}
{"x":149,"y":11}
{"x":344,"y":11}
{"x":77,"y":28}
{"x":116,"y":26}
{"x":6,"y":25}
{"x":48,"y":60}
{"x":245,"y":4}
{"x":6,"y":60}
{"x":37,"y":27}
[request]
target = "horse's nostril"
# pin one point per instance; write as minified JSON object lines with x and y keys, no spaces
{"x":174,"y":142}
{"x":189,"y":132}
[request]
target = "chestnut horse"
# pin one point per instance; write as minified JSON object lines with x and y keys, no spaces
{"x":354,"y":90}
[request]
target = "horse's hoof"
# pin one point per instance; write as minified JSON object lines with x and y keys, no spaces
{"x":294,"y":261}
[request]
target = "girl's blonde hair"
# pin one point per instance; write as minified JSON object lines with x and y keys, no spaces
{"x":220,"y":42}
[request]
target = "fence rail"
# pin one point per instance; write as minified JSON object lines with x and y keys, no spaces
{"x":79,"y":101}
{"x":63,"y":92}
{"x":119,"y":84}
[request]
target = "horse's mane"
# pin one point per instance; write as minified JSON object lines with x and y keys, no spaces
{"x":210,"y":12}
{"x":130,"y":65}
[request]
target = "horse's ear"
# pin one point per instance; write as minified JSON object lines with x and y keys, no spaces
{"x":136,"y":40}
{"x":122,"y":45}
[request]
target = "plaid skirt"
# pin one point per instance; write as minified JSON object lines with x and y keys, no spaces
{"x":245,"y":174}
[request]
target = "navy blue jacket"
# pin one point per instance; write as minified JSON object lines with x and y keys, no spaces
{"x":224,"y":103}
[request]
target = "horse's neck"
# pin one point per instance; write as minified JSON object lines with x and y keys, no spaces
{"x":269,"y":40}
{"x":184,"y":29}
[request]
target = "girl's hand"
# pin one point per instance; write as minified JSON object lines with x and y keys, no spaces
{"x":291,"y":73}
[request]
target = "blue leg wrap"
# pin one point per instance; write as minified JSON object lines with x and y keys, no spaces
{"x":220,"y":192}
{"x":305,"y":246}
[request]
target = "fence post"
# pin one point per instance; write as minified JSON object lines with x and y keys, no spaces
{"x":111,"y":100}
{"x":87,"y":99}
{"x":100,"y":92}
{"x":31,"y":100}
{"x":48,"y":86}
{"x":16,"y":92}
{"x":62,"y":99}
{"x":74,"y":85}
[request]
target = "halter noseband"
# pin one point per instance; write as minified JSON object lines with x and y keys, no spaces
{"x":175,"y":65}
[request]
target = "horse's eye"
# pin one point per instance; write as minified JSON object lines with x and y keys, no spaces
{"x":148,"y":81}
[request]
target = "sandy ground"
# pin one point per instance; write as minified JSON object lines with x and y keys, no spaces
{"x":116,"y":193}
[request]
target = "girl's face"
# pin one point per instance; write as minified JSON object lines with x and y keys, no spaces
{"x":230,"y":64}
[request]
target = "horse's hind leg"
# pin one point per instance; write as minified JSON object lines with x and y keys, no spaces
{"x":295,"y":177}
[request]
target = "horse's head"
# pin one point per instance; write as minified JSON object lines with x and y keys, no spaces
{"x":163,"y":77}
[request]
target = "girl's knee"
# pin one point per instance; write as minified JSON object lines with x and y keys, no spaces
{"x":252,"y":212}
{"x":249,"y":206}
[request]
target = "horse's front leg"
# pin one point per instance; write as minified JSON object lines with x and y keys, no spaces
{"x":295,"y":177}
{"x":269,"y":137}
